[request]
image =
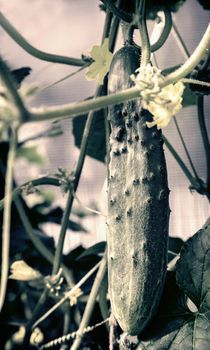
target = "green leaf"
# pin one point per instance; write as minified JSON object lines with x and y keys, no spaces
{"x":44,"y":199}
{"x":193,"y":268}
{"x":31,"y":154}
{"x":175,"y":327}
{"x":40,"y":216}
{"x":96,"y":144}
{"x":205,"y":4}
{"x":189,"y":97}
{"x":170,"y":317}
{"x":159,"y":5}
{"x":93,"y":250}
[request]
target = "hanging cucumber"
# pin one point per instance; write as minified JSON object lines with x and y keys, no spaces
{"x":138,"y":209}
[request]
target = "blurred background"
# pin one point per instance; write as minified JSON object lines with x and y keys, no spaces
{"x":70,"y":27}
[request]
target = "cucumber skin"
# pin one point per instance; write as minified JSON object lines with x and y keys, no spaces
{"x":138,"y":207}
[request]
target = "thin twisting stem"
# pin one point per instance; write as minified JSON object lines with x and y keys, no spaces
{"x":64,"y":78}
{"x":182,"y":165}
{"x":67,"y":295}
{"x":7,"y":216}
{"x":180,"y":41}
{"x":165,"y":33}
{"x":91,"y":301}
{"x":20,"y":40}
{"x":70,"y":199}
{"x":185,"y":148}
{"x":161,"y":39}
{"x":45,"y":180}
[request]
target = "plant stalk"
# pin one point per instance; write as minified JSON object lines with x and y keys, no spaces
{"x":70,"y":199}
{"x":44,"y":56}
{"x":182,"y":165}
{"x":23,"y":114}
{"x":205,"y":139}
{"x":91,"y":302}
{"x":7,"y":217}
{"x":73,"y":109}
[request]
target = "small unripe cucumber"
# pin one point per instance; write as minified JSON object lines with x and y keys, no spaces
{"x":138,"y":209}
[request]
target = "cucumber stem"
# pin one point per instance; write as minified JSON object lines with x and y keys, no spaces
{"x":7,"y":217}
{"x":45,"y":56}
{"x":73,"y":109}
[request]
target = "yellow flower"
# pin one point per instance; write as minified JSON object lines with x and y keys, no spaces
{"x":74,"y":296}
{"x":36,"y":336}
{"x":23,"y":272}
{"x":162,"y":103}
{"x":18,"y":336}
{"x":165,"y":104}
{"x":102,"y":59}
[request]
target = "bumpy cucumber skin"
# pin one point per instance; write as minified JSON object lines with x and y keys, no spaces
{"x":138,"y":207}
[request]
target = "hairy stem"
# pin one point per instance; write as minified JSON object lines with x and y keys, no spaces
{"x":74,"y":109}
{"x":142,"y":25}
{"x":7,"y":217}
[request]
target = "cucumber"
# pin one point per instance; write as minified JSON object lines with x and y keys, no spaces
{"x":138,"y":208}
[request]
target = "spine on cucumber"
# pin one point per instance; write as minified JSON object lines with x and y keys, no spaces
{"x":138,"y":209}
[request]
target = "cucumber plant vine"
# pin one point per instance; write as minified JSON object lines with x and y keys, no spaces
{"x":140,"y":99}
